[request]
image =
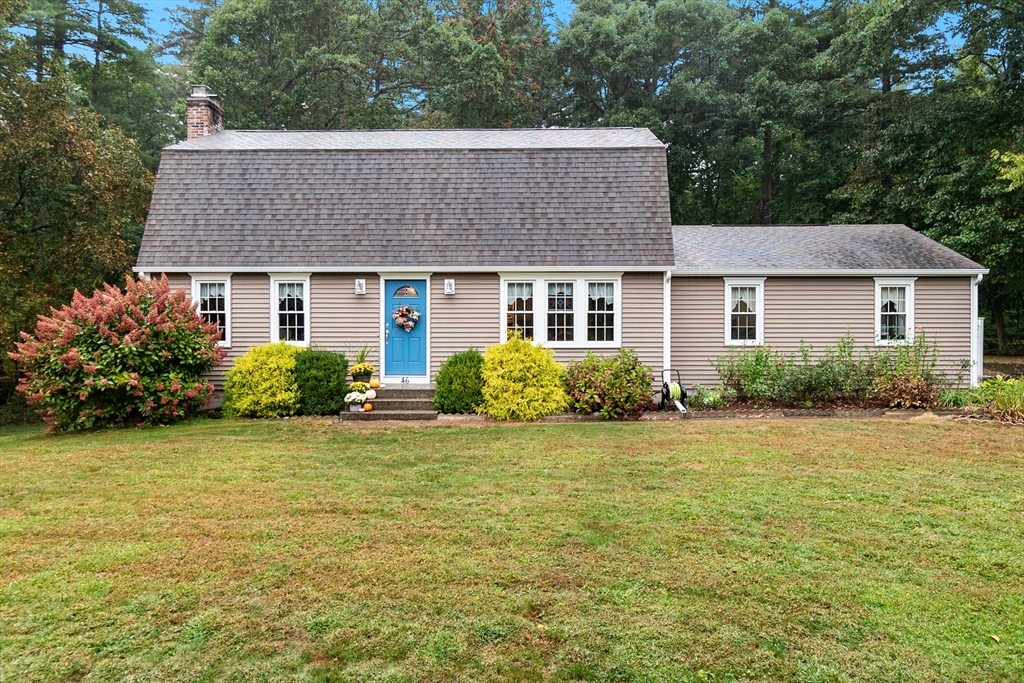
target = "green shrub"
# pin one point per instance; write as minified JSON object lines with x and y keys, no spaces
{"x":955,"y":398}
{"x":1008,"y":404}
{"x":898,"y":376}
{"x":459,"y":383}
{"x":1002,"y":397}
{"x":320,"y":377}
{"x":706,"y":398}
{"x":906,"y":376}
{"x":135,"y":357}
{"x":617,"y":387}
{"x":756,"y":374}
{"x":906,"y":392}
{"x":522,"y":381}
{"x":262,"y":383}
{"x":835,"y":375}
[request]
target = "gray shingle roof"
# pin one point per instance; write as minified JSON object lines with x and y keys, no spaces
{"x":767,"y":248}
{"x":415,"y":199}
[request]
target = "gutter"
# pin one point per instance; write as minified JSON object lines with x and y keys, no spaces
{"x":833,"y":272}
{"x":270,"y":268}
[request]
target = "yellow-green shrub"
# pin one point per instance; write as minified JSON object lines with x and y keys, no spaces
{"x":262,"y":383}
{"x":522,"y":382}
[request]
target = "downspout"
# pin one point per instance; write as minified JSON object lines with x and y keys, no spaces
{"x":977,"y":343}
{"x":666,"y":329}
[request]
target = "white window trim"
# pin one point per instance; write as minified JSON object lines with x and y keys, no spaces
{"x":280,"y":278}
{"x":758,"y":284}
{"x":225,"y":278}
{"x":907,"y":282}
{"x":581,"y":283}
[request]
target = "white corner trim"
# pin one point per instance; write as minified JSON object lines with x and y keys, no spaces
{"x":756,"y":282}
{"x":907,"y":282}
{"x":275,"y":280}
{"x":224,"y":278}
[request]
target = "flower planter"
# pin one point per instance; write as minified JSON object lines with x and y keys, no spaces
{"x":356,"y":408}
{"x":361,"y":378}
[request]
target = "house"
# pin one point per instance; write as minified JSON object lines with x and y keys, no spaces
{"x":323,"y":237}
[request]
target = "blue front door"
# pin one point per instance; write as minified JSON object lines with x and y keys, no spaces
{"x":405,"y":306}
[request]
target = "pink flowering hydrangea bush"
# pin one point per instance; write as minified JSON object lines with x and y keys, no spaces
{"x":119,"y":358}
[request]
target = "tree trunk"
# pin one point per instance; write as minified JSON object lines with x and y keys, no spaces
{"x":766,"y":177}
{"x":1000,"y":322}
{"x":40,"y":51}
{"x":96,"y":54}
{"x":60,"y":31}
{"x":886,"y":82}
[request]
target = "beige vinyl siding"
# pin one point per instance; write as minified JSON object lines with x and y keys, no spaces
{"x":813,"y":310}
{"x":470,"y":318}
{"x":643,"y":317}
{"x":642,"y":321}
{"x":250,"y":319}
{"x":179,"y":280}
{"x":342,"y":320}
{"x":942,"y":310}
{"x":698,"y":310}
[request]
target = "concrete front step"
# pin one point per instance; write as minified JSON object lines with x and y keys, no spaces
{"x":387,"y":403}
{"x":377,"y":415}
{"x":401,"y":392}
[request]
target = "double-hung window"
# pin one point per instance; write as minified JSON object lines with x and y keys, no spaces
{"x":600,"y":311}
{"x":561,"y":315}
{"x":212,"y":294}
{"x":744,"y":311}
{"x":519,"y":307}
{"x":289,"y":315}
{"x":894,"y":311}
{"x":563,"y":311}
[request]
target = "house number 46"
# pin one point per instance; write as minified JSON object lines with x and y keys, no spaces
{"x":405,"y":380}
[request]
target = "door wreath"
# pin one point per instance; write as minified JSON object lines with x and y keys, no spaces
{"x":406,"y":317}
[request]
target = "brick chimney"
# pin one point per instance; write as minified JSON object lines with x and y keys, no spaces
{"x":203,"y":112}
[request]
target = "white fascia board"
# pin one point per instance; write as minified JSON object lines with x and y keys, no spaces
{"x":835,"y":272}
{"x":603,"y":270}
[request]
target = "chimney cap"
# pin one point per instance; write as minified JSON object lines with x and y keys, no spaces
{"x":202,"y":91}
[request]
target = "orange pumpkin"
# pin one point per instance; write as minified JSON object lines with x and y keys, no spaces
{"x":367,"y":407}
{"x":374,"y":383}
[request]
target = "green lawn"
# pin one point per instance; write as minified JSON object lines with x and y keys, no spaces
{"x":292,"y":550}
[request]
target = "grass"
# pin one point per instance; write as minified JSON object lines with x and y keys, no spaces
{"x":813,"y":551}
